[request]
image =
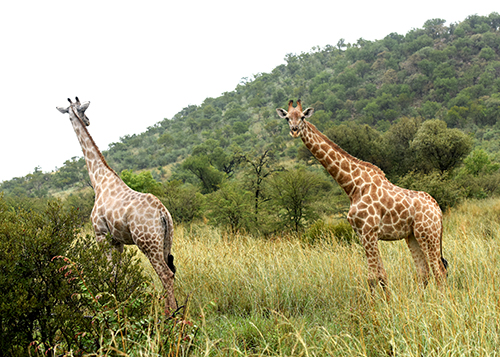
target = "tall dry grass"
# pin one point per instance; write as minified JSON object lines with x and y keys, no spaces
{"x":281,"y":297}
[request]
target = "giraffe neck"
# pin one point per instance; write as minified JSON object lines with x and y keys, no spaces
{"x":97,"y":167}
{"x":349,"y":172}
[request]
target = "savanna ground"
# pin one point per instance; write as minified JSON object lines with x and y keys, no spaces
{"x":283,"y":297}
{"x":254,"y":296}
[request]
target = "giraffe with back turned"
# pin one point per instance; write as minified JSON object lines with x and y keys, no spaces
{"x":379,"y":210}
{"x":129,"y":217}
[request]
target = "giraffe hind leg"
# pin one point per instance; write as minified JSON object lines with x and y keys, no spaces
{"x":430,"y":244}
{"x":420,"y":259}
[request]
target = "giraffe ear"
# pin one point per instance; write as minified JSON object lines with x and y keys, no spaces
{"x":63,"y":110}
{"x":282,"y":113}
{"x":308,"y":112}
{"x":84,"y":106}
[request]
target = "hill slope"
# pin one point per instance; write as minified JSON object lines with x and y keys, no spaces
{"x":451,"y":73}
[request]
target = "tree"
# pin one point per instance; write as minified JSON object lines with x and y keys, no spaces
{"x":361,"y":141}
{"x":209,"y":176}
{"x":141,"y":182}
{"x":73,"y":172}
{"x":36,"y":183}
{"x":261,"y":167}
{"x":230,"y":206}
{"x":440,"y":148}
{"x":398,"y":139}
{"x":183,"y":201}
{"x":32,"y":291}
{"x":295,"y":193}
{"x":478,"y":162}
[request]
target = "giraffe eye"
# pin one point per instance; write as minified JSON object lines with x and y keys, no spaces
{"x":303,"y":117}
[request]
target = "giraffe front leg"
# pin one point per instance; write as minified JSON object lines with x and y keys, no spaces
{"x":377,"y":275}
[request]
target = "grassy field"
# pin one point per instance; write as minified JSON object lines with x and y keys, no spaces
{"x":281,"y":297}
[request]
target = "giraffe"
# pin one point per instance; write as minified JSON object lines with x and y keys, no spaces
{"x":129,"y":217}
{"x":379,"y":210}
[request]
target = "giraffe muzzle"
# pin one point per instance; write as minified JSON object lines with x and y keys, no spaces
{"x":295,"y":131}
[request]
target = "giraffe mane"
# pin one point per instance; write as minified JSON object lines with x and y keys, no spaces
{"x":343,"y":152}
{"x":101,"y":156}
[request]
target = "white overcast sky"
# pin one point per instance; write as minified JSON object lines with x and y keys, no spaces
{"x":138,"y":62}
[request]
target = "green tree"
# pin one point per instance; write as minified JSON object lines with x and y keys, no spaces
{"x":230,"y":207}
{"x":397,"y":143}
{"x":208,"y":175}
{"x":295,"y":193}
{"x":439,"y":148}
{"x":73,"y":172}
{"x":33,"y":293}
{"x":361,"y":141}
{"x":141,"y":182}
{"x":260,"y":168}
{"x":183,"y":201}
{"x":479,"y":163}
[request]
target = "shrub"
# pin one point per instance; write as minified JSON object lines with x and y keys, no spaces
{"x":183,"y":201}
{"x":321,"y":231}
{"x":60,"y":294}
{"x":32,"y":291}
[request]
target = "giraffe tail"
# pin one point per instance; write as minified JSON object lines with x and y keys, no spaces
{"x":445,"y":262}
{"x":167,"y":241}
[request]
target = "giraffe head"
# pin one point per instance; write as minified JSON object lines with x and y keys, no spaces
{"x":295,"y":117}
{"x":76,"y":111}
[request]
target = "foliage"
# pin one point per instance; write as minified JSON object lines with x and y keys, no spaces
{"x":437,"y":147}
{"x":409,"y":103}
{"x":479,"y":163}
{"x":295,"y":193}
{"x":60,"y":292}
{"x":320,"y":231}
{"x":229,"y":207}
{"x":183,"y":201}
{"x":33,"y":294}
{"x":141,"y":182}
{"x":82,"y":202}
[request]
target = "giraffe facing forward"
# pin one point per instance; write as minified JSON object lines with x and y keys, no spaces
{"x":379,"y":210}
{"x":129,"y":217}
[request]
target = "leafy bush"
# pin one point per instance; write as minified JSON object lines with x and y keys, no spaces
{"x":60,"y":293}
{"x":183,"y":201}
{"x":33,"y":294}
{"x":294,"y":194}
{"x":230,"y":206}
{"x":321,"y":231}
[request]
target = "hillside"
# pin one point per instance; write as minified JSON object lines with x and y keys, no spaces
{"x":378,"y":100}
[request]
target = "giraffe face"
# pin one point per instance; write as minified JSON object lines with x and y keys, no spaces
{"x":295,"y":117}
{"x":76,"y":111}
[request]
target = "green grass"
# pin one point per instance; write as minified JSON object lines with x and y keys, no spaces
{"x":280,"y":297}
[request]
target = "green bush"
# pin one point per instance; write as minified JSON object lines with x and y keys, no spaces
{"x":33,"y":293}
{"x":321,"y":231}
{"x":60,"y":293}
{"x":183,"y":201}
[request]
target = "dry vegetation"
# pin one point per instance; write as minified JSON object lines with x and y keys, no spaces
{"x":256,"y":297}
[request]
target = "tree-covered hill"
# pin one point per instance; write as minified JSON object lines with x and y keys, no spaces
{"x":424,"y":106}
{"x":447,"y":72}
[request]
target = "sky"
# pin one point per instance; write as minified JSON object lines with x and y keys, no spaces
{"x":139,"y":62}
